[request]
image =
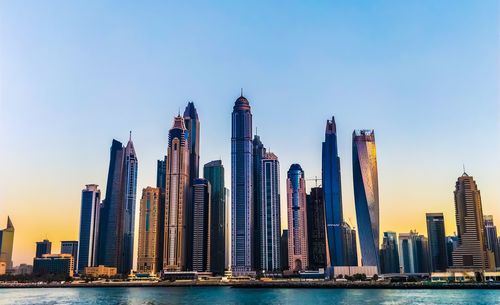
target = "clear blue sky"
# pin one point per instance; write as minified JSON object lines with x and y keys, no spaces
{"x":76,"y":74}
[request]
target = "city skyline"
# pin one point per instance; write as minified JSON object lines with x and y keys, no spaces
{"x":78,"y":105}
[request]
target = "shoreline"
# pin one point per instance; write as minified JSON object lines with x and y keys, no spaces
{"x":262,"y":285}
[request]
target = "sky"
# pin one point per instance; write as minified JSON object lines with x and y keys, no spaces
{"x":76,"y":74}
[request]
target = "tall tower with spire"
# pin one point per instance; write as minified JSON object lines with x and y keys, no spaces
{"x":193,"y":140}
{"x":332,"y":194}
{"x":242,"y":214}
{"x":116,"y":229}
{"x":176,"y":195}
{"x":7,"y":243}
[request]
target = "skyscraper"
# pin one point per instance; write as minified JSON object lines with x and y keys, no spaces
{"x":70,"y":247}
{"x":149,"y":253}
{"x":451,"y":245}
{"x":389,"y":254}
{"x":201,"y":225}
{"x":492,"y":238}
{"x":297,"y":219}
{"x":258,"y":154}
{"x":350,"y":245}
{"x":89,"y":228}
{"x":284,"y":250}
{"x":161,"y":174}
{"x":333,"y":197}
{"x":242,"y":214}
{"x":437,"y":242}
{"x":365,"y":177}
{"x":214,"y":173}
{"x":413,"y":253}
{"x":192,"y":124}
{"x":316,"y":237}
{"x":7,"y":243}
{"x":176,"y":195}
{"x":116,"y":229}
{"x":270,"y":218}
{"x":43,"y":247}
{"x":471,"y":252}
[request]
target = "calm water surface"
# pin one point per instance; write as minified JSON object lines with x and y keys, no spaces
{"x":226,"y":295}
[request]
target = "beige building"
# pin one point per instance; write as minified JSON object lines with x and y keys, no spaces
{"x":148,"y":260}
{"x":100,"y":271}
{"x":3,"y":268}
{"x":471,"y":253}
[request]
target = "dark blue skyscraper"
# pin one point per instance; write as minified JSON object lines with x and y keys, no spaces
{"x":332,"y":194}
{"x":89,"y":228}
{"x":258,"y":154}
{"x":193,"y":139}
{"x":241,"y":188}
{"x":116,"y":229}
{"x":365,"y":178}
{"x":438,"y":255}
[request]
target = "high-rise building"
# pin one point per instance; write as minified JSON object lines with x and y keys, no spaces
{"x":270,"y":218}
{"x":333,"y":197}
{"x":492,"y":238}
{"x":149,"y":253}
{"x":365,"y":177}
{"x":472,"y":252}
{"x":89,"y":228}
{"x":116,"y":229}
{"x":350,"y":245}
{"x":413,"y":253}
{"x":161,"y":174}
{"x":192,"y":124}
{"x":316,"y":236}
{"x":214,"y":173}
{"x":389,"y":254}
{"x":176,"y":195}
{"x":438,"y":255}
{"x":7,"y":244}
{"x":242,"y":214}
{"x":227,"y":237}
{"x":201,"y":225}
{"x":451,"y":245}
{"x":258,"y":233}
{"x":284,"y":250}
{"x":43,"y":247}
{"x":297,"y":219}
{"x":70,"y":247}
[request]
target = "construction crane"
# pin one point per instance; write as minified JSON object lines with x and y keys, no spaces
{"x":315,"y":179}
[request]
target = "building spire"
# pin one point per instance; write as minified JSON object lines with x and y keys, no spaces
{"x":130,"y":136}
{"x":241,"y":93}
{"x":9,"y":223}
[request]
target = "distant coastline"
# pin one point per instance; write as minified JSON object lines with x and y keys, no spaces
{"x":262,"y":285}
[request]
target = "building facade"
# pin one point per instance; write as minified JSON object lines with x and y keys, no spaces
{"x":117,"y":215}
{"x":365,"y":178}
{"x":149,"y":258}
{"x":332,"y":194}
{"x":89,"y":227}
{"x":55,"y":264}
{"x":176,"y":196}
{"x":316,"y":232}
{"x":492,"y":238}
{"x":201,"y":225}
{"x":349,"y":245}
{"x":43,"y":247}
{"x":70,"y":247}
{"x":298,"y":256}
{"x":242,"y":214}
{"x":258,"y":226}
{"x":7,"y":244}
{"x":284,"y":250}
{"x":472,"y":252}
{"x":270,"y":215}
{"x":413,"y":253}
{"x":389,"y":254}
{"x":214,"y":173}
{"x":438,"y":254}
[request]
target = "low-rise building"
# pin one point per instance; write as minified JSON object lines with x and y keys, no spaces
{"x":54,"y":264}
{"x":100,"y":271}
{"x":3,"y":268}
{"x":369,"y":271}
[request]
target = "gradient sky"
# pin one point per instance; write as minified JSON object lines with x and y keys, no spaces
{"x":76,"y":74}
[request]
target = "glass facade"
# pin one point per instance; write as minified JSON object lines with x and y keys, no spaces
{"x":365,"y":178}
{"x":389,"y":254}
{"x":316,"y":237}
{"x":438,"y":254}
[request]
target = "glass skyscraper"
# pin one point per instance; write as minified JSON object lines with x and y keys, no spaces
{"x":201,"y":225}
{"x":365,"y":178}
{"x":492,"y":238}
{"x":116,"y":222}
{"x":7,"y":243}
{"x":298,"y":256}
{"x":89,"y":227}
{"x":270,"y":218}
{"x":258,"y":154}
{"x":214,"y":173}
{"x":389,"y":254}
{"x":316,"y":237}
{"x":192,"y":124}
{"x":438,"y":255}
{"x":242,"y":214}
{"x":332,"y":191}
{"x":176,"y":195}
